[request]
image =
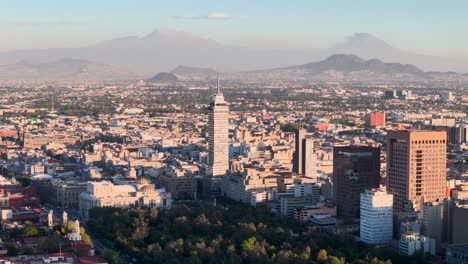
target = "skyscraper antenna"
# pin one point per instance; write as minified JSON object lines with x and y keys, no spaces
{"x":217,"y":83}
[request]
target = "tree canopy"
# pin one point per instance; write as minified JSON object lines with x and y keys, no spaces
{"x":235,"y":234}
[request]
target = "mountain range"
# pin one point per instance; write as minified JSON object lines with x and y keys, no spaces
{"x":353,"y":63}
{"x":64,"y":69}
{"x":163,"y":50}
{"x":334,"y":67}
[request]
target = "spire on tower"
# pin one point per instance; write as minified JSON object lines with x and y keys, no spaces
{"x":217,"y":83}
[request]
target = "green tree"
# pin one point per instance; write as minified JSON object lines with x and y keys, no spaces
{"x":333,"y":260}
{"x":85,"y":237}
{"x":248,"y":245}
{"x":11,"y":249}
{"x":111,"y":256}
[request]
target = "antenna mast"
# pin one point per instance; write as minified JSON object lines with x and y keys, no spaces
{"x":217,"y":83}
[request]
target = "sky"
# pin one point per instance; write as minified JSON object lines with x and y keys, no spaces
{"x":432,"y":26}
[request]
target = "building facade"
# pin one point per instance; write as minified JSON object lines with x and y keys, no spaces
{"x":304,"y":159}
{"x":375,"y":119}
{"x":355,"y":169}
{"x":432,"y":224}
{"x":106,"y":194}
{"x":376,"y":217}
{"x":457,"y":254}
{"x":457,"y":134}
{"x":218,"y":141}
{"x":249,"y":186}
{"x":180,"y":183}
{"x":416,"y":167}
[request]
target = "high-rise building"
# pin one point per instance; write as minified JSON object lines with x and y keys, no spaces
{"x":432,"y":220}
{"x":416,"y":167}
{"x":304,"y":160}
{"x":446,"y":96}
{"x":455,"y":217}
{"x":218,"y":141}
{"x":298,"y":155}
{"x":375,"y":119}
{"x":457,"y":134}
{"x":390,"y":94}
{"x":355,"y":169}
{"x":376,"y":217}
{"x":310,"y":159}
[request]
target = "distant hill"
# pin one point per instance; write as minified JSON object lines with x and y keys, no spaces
{"x":187,"y":70}
{"x":64,"y":69}
{"x":163,"y":77}
{"x":346,"y":66}
{"x":351,"y":63}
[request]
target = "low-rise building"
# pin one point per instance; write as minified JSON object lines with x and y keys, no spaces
{"x":323,"y":222}
{"x":457,"y":254}
{"x":303,"y":213}
{"x":239,"y":185}
{"x":413,"y":242}
{"x":106,"y":194}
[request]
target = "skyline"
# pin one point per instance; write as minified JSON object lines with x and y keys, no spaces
{"x":428,"y":27}
{"x":339,"y":135}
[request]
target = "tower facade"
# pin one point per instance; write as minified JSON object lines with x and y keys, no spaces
{"x":416,"y":167}
{"x":304,"y":160}
{"x":355,"y":169}
{"x":218,"y":139}
{"x":298,"y":151}
{"x":376,"y":217}
{"x":309,"y":160}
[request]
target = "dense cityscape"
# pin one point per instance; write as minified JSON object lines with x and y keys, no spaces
{"x":385,"y":165}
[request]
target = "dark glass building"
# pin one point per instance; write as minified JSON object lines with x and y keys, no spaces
{"x":355,"y":169}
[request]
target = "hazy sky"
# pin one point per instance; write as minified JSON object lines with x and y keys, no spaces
{"x":429,"y":26}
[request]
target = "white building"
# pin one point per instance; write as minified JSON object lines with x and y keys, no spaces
{"x":75,"y":235}
{"x":106,"y":194}
{"x":410,"y":243}
{"x":218,"y":140}
{"x":376,"y":217}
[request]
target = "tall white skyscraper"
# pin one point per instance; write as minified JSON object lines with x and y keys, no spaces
{"x":218,"y":139}
{"x":376,"y":217}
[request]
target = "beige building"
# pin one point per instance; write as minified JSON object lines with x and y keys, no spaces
{"x":92,"y":157}
{"x":304,"y":213}
{"x":218,"y":141}
{"x":416,"y":167}
{"x":180,"y":183}
{"x":106,"y":194}
{"x":248,"y":186}
{"x":66,"y":194}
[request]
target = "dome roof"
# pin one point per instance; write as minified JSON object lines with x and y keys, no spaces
{"x":143,"y":180}
{"x":147,"y":189}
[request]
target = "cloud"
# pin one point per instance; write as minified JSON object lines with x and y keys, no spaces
{"x":49,"y":22}
{"x":210,"y":16}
